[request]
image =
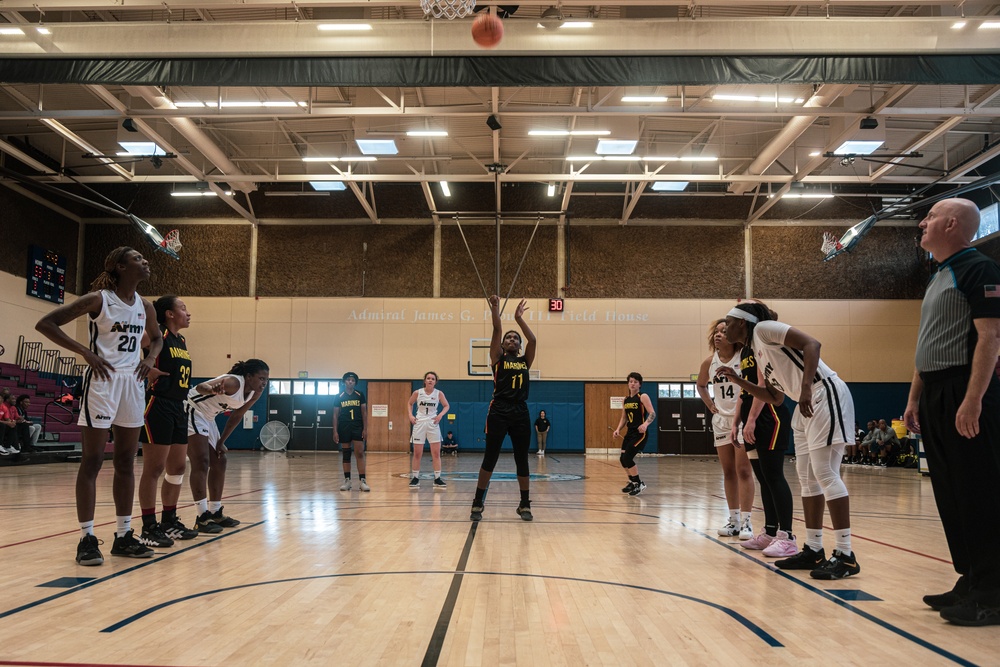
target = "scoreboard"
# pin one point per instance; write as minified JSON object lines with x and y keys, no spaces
{"x":46,"y":274}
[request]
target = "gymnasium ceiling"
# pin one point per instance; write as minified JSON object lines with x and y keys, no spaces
{"x":765,"y":141}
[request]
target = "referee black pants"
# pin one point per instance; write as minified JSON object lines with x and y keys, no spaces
{"x":965,"y":475}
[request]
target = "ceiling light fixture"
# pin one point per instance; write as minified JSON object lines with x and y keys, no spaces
{"x":445,"y":189}
{"x":989,"y":25}
{"x":377,"y":146}
{"x":958,"y":25}
{"x":11,"y":31}
{"x":644,"y":98}
{"x":327,"y":186}
{"x":758,"y":98}
{"x":669,"y":186}
{"x":568,"y":133}
{"x":616,"y":146}
{"x":426,"y":133}
{"x":688,"y":158}
{"x":551,"y":190}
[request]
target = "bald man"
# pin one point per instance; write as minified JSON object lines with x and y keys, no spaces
{"x":954,"y":403}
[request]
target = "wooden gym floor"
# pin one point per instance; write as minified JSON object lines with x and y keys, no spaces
{"x":401,"y":577}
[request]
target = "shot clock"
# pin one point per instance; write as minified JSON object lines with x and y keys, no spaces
{"x":555,"y":305}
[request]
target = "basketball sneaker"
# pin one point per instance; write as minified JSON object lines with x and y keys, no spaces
{"x":759,"y":542}
{"x":363,"y":485}
{"x":782,"y":546}
{"x":204,"y":524}
{"x":128,"y":546}
{"x":807,"y":559}
{"x":154,"y":536}
{"x":477,"y":513}
{"x":88,"y":551}
{"x":729,"y":530}
{"x":414,"y":482}
{"x":440,"y":483}
{"x":637,"y":488}
{"x":628,"y":487}
{"x":952,"y":598}
{"x":524,"y":511}
{"x":177,"y":530}
{"x":746,"y":529}
{"x":346,"y":486}
{"x":839,"y":566}
{"x":220,"y":519}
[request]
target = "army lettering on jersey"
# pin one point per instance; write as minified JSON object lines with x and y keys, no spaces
{"x":510,"y":379}
{"x":175,"y":360}
{"x":635,"y":411}
{"x":350,"y":409}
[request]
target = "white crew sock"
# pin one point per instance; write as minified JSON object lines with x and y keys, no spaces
{"x":844,"y":541}
{"x":124,"y":524}
{"x":814,"y":538}
{"x":202,"y":505}
{"x":86,"y":528}
{"x":214,"y":506}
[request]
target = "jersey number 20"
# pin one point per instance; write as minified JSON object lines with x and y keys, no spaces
{"x":127,"y":343}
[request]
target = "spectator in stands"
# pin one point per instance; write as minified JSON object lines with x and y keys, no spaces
{"x":851,"y":451}
{"x":8,"y":424}
{"x":864,"y":454}
{"x":450,"y":444}
{"x":886,"y":444}
{"x":27,"y":430}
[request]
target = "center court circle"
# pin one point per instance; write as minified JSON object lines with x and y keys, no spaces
{"x":500,"y":477}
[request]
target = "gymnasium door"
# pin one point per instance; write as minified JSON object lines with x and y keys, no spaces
{"x":685,"y":423}
{"x":600,"y":419}
{"x":388,"y":424}
{"x":306,"y":407}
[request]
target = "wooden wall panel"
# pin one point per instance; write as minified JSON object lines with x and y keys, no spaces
{"x":599,"y":419}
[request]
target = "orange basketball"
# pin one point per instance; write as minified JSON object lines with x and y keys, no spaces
{"x":487,"y":31}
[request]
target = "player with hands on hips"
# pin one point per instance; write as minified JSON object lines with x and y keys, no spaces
{"x":427,"y":426}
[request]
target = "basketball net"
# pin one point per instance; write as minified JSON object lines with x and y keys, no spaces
{"x":448,"y":9}
{"x":172,"y":241}
{"x":830,"y":243}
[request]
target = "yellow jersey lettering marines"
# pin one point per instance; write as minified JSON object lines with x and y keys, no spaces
{"x":510,"y":379}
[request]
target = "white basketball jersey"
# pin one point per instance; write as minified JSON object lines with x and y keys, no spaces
{"x":427,"y":404}
{"x":214,"y":404}
{"x":116,"y":331}
{"x":726,"y":393}
{"x":782,"y":366}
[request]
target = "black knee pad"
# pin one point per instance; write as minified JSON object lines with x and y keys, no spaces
{"x":346,"y":453}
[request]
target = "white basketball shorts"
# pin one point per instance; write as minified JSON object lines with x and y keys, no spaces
{"x":200,"y":424}
{"x":118,"y":401}
{"x":426,"y":429}
{"x":832,"y":422}
{"x":722,"y":426}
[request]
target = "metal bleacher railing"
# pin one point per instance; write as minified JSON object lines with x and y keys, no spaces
{"x":61,"y":374}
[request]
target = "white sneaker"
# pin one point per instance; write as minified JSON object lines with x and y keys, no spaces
{"x":746,"y":529}
{"x":730,"y":530}
{"x":364,"y":486}
{"x":346,"y":486}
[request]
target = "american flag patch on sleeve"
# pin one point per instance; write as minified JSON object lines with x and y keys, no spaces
{"x":991,"y":291}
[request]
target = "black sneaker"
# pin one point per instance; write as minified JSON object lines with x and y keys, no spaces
{"x":154,"y":536}
{"x":807,"y":559}
{"x":952,"y":598}
{"x":204,"y":524}
{"x":440,"y":483}
{"x":414,"y":482}
{"x":628,"y":487}
{"x":220,"y":519}
{"x":128,"y":546}
{"x":637,"y":489}
{"x":87,"y":551}
{"x":524,"y":512}
{"x":972,"y":613}
{"x":839,"y":566}
{"x":477,"y":513}
{"x":177,"y":530}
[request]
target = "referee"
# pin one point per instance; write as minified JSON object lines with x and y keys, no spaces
{"x":955,"y":403}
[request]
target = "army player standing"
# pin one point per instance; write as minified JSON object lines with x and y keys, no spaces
{"x":350,"y":428}
{"x":509,"y":407}
{"x":637,"y":415}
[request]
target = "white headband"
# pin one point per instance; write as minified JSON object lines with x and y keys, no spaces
{"x":742,"y":314}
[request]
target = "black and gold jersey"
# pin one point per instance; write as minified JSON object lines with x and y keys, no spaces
{"x":175,"y":360}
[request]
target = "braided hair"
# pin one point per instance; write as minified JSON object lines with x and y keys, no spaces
{"x":249,"y":367}
{"x":108,"y":278}
{"x":758,"y":310}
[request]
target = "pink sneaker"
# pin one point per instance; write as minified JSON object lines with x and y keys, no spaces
{"x":782,"y":546}
{"x":758,"y":542}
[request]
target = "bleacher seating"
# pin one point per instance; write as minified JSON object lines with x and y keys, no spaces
{"x":43,"y":389}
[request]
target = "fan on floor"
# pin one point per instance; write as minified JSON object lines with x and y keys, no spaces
{"x":274,"y":436}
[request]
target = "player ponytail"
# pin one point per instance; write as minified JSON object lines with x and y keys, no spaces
{"x":108,"y":278}
{"x":162,"y":305}
{"x":249,"y":367}
{"x":711,"y":333}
